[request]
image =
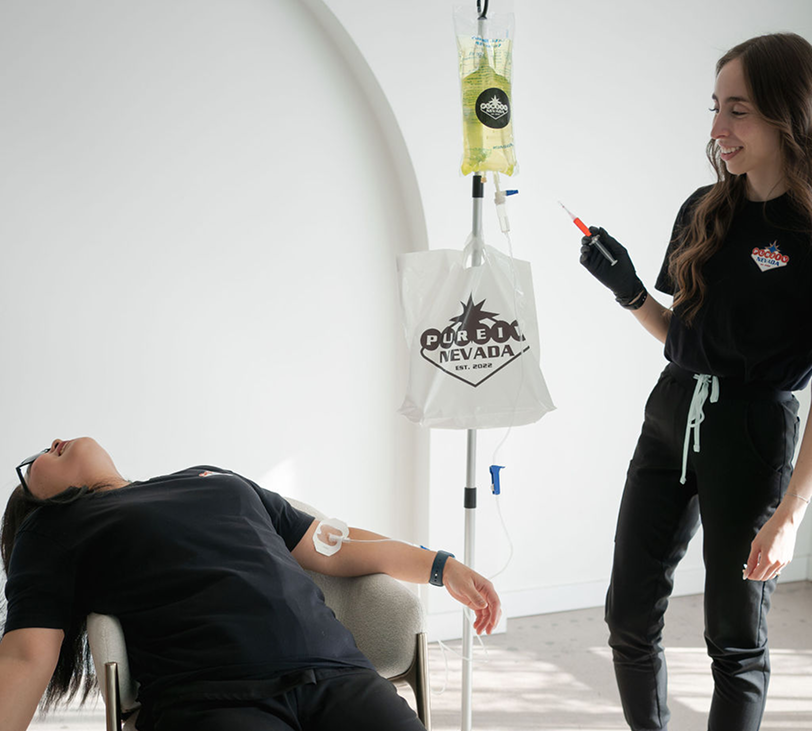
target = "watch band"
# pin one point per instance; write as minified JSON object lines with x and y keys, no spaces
{"x":633,"y":303}
{"x":436,"y":578}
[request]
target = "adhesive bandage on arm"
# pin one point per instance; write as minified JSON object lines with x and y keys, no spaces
{"x":332,"y":533}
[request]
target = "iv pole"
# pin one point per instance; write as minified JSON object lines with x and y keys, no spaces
{"x":469,"y":502}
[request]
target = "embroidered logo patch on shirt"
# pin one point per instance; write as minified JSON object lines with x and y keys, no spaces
{"x":769,"y":257}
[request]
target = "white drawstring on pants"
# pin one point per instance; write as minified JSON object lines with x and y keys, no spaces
{"x":696,"y":415}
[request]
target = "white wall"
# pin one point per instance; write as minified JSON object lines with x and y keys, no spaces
{"x":201,"y":206}
{"x":611,"y":117}
{"x":199,"y":222}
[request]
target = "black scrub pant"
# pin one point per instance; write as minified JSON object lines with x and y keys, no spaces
{"x":733,"y":486}
{"x":338,"y":700}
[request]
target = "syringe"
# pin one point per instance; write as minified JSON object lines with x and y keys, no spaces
{"x":594,"y":238}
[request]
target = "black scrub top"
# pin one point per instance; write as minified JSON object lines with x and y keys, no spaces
{"x":197,"y":566}
{"x":755,"y":325}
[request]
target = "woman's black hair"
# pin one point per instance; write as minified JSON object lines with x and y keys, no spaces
{"x":74,"y":674}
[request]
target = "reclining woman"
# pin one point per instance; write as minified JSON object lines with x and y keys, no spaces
{"x":205,"y":571}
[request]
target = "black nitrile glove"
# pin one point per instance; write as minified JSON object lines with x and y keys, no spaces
{"x":621,"y":278}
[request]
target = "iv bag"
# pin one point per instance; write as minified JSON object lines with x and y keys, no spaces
{"x":485,"y":50}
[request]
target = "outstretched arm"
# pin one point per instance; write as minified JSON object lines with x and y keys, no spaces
{"x":27,"y":661}
{"x":407,"y":563}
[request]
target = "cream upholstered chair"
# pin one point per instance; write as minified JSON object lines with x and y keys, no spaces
{"x":118,"y":688}
{"x":384,"y":616}
{"x":386,"y":619}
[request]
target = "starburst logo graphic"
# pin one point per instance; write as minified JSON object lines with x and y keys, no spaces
{"x":473,"y":316}
{"x":493,"y":108}
{"x":769,"y":257}
{"x":475,"y":346}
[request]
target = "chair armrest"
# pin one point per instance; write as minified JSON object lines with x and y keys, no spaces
{"x":383,"y":614}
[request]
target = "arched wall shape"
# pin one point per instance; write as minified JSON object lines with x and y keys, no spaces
{"x":201,"y":221}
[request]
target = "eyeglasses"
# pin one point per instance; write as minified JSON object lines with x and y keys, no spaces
{"x":21,"y":471}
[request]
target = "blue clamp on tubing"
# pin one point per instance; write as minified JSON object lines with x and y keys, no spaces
{"x":496,"y":488}
{"x":511,"y":192}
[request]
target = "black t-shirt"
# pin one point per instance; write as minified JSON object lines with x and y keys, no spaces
{"x":196,"y":565}
{"x":755,"y":325}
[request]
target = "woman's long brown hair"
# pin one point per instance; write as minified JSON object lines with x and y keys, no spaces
{"x":778,"y":73}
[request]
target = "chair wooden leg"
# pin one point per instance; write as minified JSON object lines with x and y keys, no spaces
{"x":417,"y":676}
{"x":420,"y":683}
{"x":112,"y":705}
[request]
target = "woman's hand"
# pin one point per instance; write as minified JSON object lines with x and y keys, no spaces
{"x":620,"y":277}
{"x":475,"y":592}
{"x":772,"y":548}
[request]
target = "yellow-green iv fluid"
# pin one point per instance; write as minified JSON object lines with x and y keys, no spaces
{"x":486,"y":105}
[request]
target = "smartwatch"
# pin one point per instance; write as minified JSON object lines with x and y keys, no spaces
{"x":436,"y":578}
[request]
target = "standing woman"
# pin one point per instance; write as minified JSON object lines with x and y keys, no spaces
{"x":738,"y":339}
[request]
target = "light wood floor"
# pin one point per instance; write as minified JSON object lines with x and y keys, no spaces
{"x":554,"y":673}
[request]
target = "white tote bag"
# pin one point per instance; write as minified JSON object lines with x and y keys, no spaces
{"x":473,"y":341}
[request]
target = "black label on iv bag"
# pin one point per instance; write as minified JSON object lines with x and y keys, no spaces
{"x":493,"y":108}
